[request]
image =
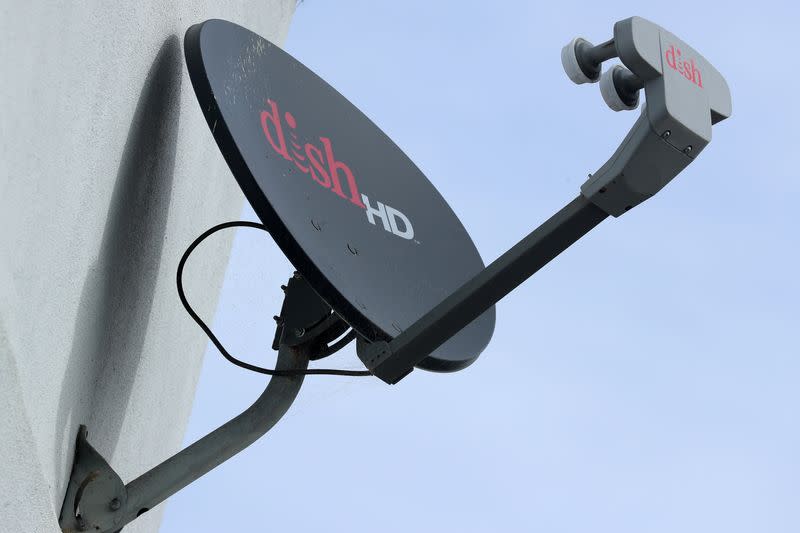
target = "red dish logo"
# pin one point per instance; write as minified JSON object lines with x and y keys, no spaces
{"x":685,"y":68}
{"x":327,"y":171}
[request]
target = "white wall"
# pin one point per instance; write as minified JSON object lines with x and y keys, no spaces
{"x":107,"y":172}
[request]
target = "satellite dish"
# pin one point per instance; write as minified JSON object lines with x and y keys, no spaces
{"x":347,"y":207}
{"x":375,"y":245}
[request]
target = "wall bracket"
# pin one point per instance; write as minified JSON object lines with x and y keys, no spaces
{"x":97,"y":500}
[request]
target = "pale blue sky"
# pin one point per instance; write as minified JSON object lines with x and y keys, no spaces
{"x":646,"y":381}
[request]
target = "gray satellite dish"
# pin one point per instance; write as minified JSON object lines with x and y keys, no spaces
{"x":339,"y":199}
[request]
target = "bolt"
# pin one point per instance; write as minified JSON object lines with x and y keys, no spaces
{"x":278,"y":319}
{"x":283,"y":288}
{"x":299,"y":332}
{"x":115,"y":504}
{"x":688,"y":150}
{"x":666,"y":134}
{"x":297,"y":275}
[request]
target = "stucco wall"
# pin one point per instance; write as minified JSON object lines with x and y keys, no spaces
{"x":107,"y":172}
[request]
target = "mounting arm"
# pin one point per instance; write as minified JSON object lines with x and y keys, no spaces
{"x":97,"y":499}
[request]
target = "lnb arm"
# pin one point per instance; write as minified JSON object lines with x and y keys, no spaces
{"x":391,"y":361}
{"x":685,"y":96}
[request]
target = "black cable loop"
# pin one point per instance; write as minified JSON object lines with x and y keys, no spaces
{"x":213,"y":338}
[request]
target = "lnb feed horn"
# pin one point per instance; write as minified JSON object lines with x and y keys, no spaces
{"x":620,"y":88}
{"x":583,"y":61}
{"x":685,"y":95}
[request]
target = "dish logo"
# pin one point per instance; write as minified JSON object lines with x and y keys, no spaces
{"x":327,"y":171}
{"x":685,"y":68}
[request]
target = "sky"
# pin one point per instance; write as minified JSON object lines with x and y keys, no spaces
{"x":645,"y":381}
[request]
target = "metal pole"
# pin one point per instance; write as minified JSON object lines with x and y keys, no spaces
{"x":96,"y":499}
{"x":164,"y":480}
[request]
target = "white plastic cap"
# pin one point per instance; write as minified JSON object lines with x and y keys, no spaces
{"x":610,"y":94}
{"x":569,"y":60}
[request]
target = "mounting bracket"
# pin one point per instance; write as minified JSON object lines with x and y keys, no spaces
{"x":97,"y":499}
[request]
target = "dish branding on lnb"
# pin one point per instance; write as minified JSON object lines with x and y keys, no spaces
{"x":686,"y":68}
